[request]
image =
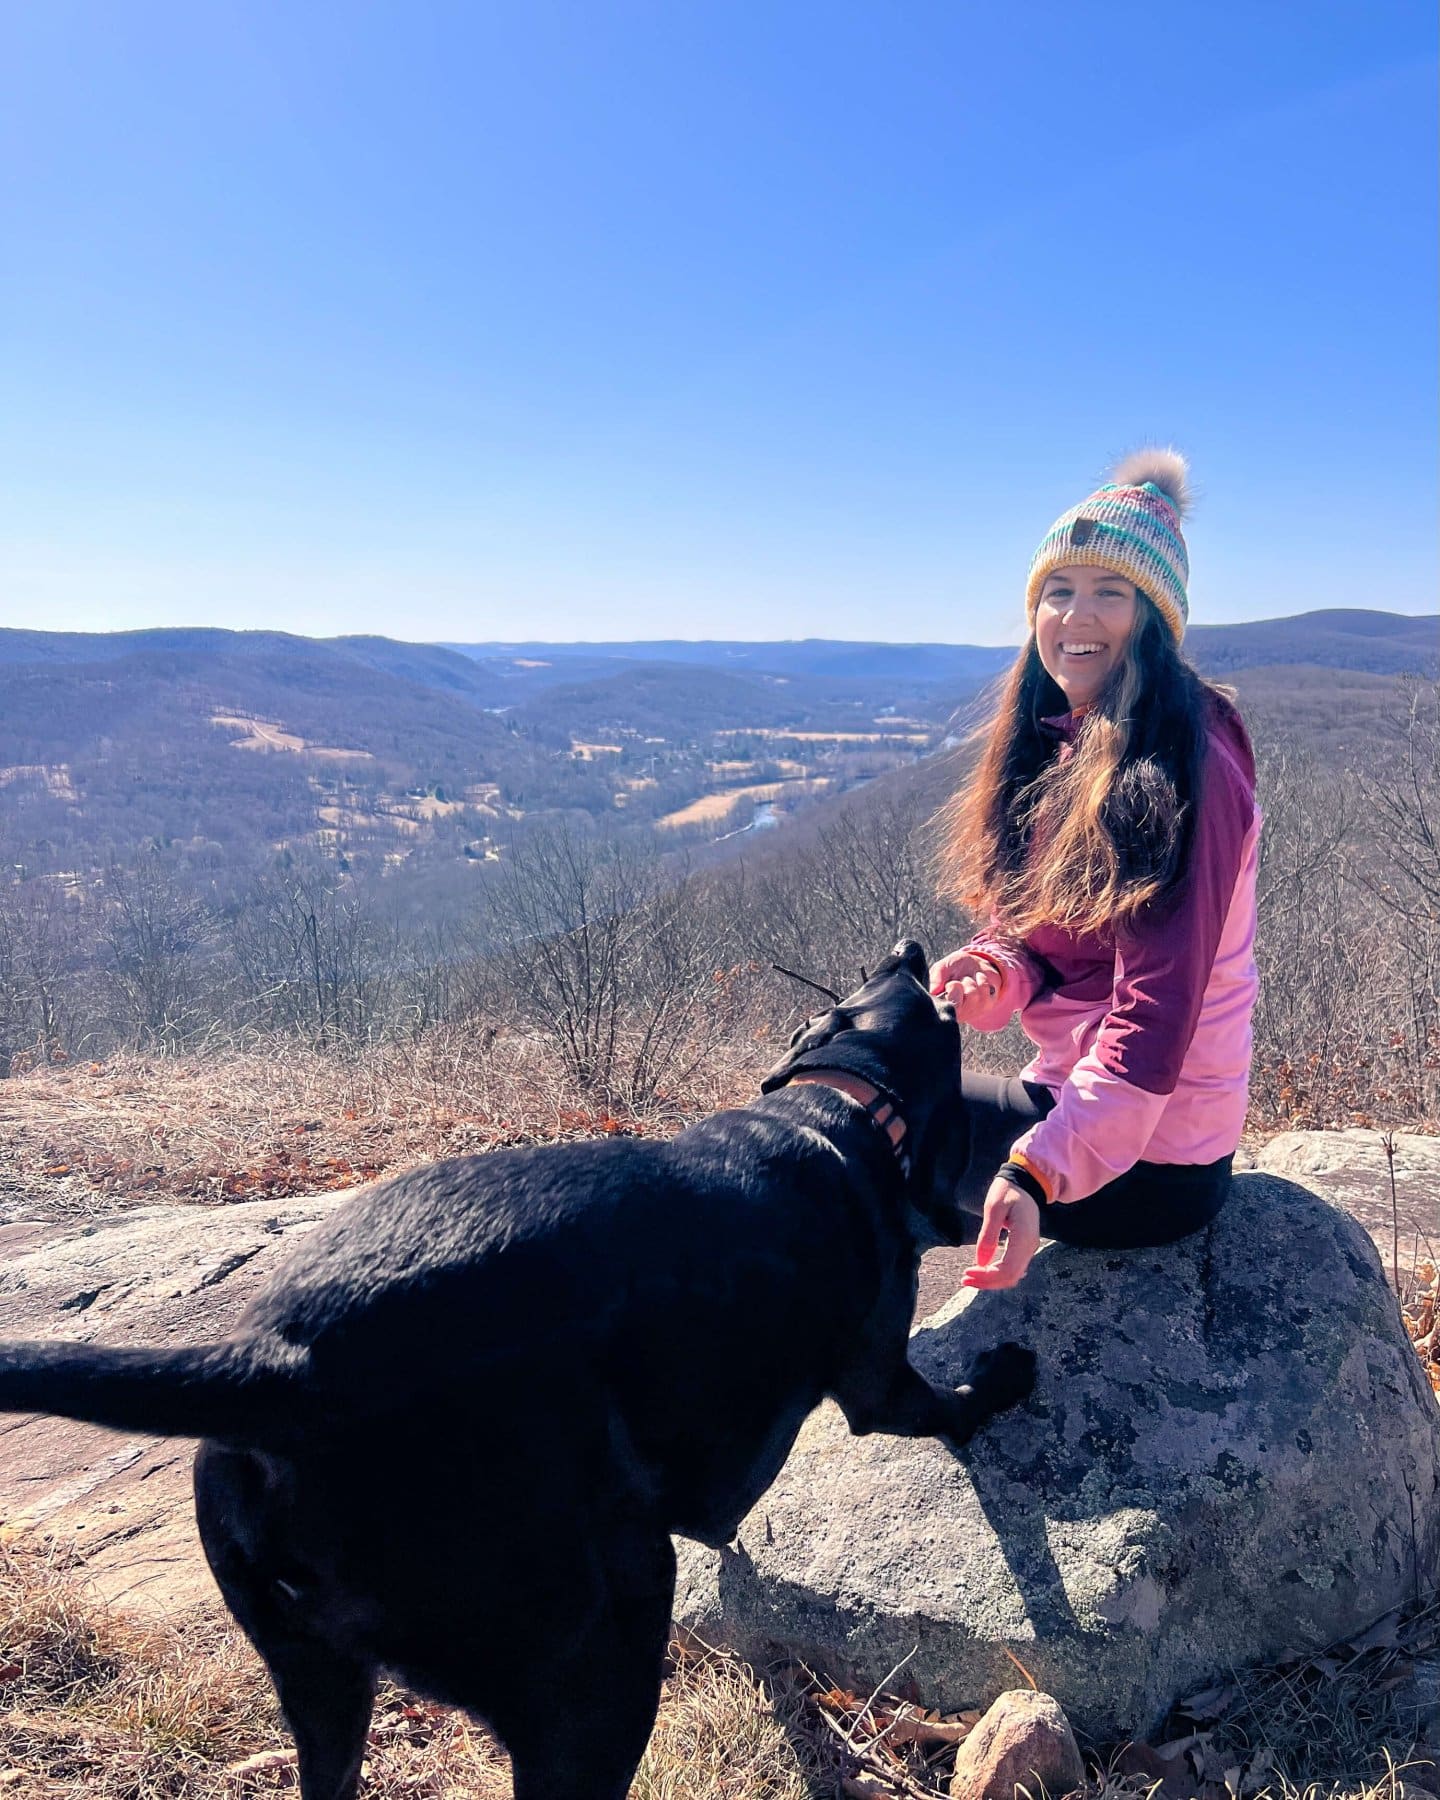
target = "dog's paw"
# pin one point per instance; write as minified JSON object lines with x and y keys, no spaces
{"x":1004,"y":1376}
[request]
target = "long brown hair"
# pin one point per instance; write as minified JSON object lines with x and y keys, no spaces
{"x":1082,"y":842}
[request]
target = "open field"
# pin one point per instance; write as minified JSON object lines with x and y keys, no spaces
{"x":258,"y":734}
{"x":54,"y":778}
{"x":829,"y":737}
{"x":733,"y":769}
{"x":710,"y":809}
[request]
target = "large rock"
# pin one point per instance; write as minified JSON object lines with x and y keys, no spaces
{"x":1231,"y":1451}
{"x":160,"y":1275}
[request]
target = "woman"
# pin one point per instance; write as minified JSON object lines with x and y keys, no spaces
{"x":1109,"y":835}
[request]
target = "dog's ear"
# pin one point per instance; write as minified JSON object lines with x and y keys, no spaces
{"x":809,"y":1036}
{"x":908,"y":954}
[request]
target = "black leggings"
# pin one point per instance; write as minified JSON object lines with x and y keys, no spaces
{"x":1151,"y":1203}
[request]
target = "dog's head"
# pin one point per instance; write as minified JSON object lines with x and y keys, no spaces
{"x":891,"y":1033}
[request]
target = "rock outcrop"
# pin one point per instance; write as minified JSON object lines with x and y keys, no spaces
{"x":1231,"y":1451}
{"x":161,"y":1275}
{"x":1351,"y":1168}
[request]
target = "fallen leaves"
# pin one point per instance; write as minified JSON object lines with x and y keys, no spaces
{"x":283,"y":1175}
{"x":893,"y":1746}
{"x":1230,"y":1740}
{"x":1194,"y":1767}
{"x":1421,"y":1313}
{"x":1233,"y":1739}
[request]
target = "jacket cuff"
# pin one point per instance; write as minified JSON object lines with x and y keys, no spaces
{"x":996,"y":1013}
{"x":1019,"y":1174}
{"x":994,"y":963}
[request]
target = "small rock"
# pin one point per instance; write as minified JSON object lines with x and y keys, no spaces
{"x":1025,"y":1741}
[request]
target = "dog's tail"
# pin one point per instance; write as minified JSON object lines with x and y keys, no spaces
{"x":248,"y":1391}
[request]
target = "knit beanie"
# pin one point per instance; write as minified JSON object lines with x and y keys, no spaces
{"x":1130,"y":526}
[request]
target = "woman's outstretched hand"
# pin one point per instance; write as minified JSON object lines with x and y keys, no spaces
{"x":966,"y":981}
{"x":1007,"y":1210}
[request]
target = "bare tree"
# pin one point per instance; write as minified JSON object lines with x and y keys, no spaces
{"x":610,"y":960}
{"x":1396,"y":862}
{"x":864,"y":883}
{"x":154,"y":938}
{"x":40,"y":966}
{"x":316,"y":955}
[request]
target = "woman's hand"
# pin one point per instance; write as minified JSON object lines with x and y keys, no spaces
{"x":967,"y":981}
{"x":1009,"y":1210}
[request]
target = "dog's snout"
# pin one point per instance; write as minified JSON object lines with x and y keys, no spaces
{"x":912,"y":958}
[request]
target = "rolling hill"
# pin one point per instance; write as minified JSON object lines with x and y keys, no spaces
{"x":233,"y":746}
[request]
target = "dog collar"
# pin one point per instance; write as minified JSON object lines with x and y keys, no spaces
{"x":881,"y":1111}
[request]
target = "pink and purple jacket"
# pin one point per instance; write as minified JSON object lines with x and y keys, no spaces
{"x":1144,"y":1032}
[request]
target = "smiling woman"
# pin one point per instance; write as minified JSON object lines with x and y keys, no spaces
{"x":1109,"y":837}
{"x":1082,"y":626}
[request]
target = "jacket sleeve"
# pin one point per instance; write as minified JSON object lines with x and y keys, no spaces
{"x":1021,"y":978}
{"x":1111,"y":1102}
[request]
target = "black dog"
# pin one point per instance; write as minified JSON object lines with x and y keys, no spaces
{"x":455,"y":1435}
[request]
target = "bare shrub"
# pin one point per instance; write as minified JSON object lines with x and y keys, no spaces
{"x":40,"y":959}
{"x":154,"y":937}
{"x":1347,"y":1025}
{"x":315,"y":955}
{"x":620,"y":966}
{"x":1397,"y":864}
{"x":1307,"y":1026}
{"x":862,"y":884}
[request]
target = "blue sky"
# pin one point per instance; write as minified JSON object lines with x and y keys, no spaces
{"x":702,"y":317}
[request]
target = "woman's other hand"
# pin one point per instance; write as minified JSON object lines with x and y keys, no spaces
{"x":967,"y":981}
{"x":1007,"y":1210}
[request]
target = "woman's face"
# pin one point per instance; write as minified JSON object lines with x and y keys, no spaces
{"x":1082,"y":625}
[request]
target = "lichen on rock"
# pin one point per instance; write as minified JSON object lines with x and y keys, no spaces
{"x":1231,"y":1451}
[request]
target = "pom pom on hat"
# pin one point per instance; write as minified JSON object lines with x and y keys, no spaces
{"x":1165,"y":469}
{"x":1130,"y":526}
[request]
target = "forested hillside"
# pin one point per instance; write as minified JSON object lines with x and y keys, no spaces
{"x":226,"y":748}
{"x":217,"y":837}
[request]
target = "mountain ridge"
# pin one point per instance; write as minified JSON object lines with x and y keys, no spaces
{"x":241,"y":745}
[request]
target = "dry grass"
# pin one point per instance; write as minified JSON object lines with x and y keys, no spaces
{"x":283,"y":1119}
{"x":96,"y":1702}
{"x":99,"y":1703}
{"x":709,"y":809}
{"x":724,"y":1735}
